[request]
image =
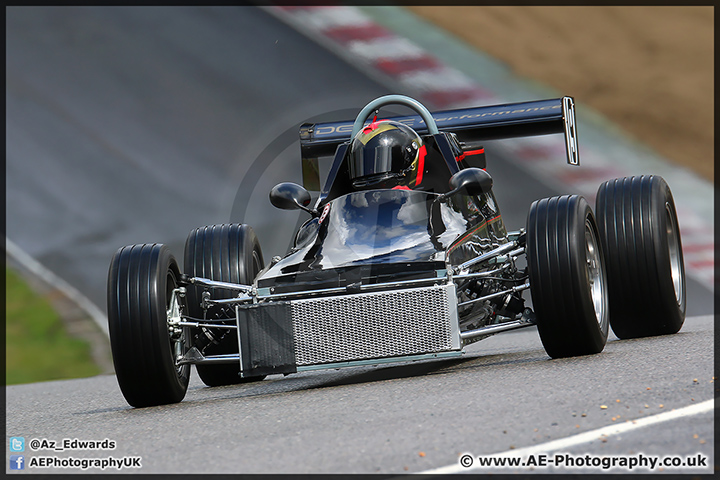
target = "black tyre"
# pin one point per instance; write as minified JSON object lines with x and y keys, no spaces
{"x":567,"y":276}
{"x":225,"y":253}
{"x":144,"y":346}
{"x":646,"y":274}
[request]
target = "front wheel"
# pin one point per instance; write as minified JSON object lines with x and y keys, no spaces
{"x":142,"y":303}
{"x":568,"y":283}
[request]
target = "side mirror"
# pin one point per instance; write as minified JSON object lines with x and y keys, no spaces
{"x":290,"y":196}
{"x":471,"y":181}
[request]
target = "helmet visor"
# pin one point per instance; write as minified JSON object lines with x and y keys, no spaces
{"x":373,"y":161}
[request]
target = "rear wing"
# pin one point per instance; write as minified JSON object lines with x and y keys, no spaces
{"x":540,"y":117}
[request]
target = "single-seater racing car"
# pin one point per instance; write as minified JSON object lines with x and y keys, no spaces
{"x":404,"y":256}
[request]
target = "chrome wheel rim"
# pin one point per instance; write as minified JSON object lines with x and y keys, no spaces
{"x":596,"y":275}
{"x":673,"y":239}
{"x":177,"y":333}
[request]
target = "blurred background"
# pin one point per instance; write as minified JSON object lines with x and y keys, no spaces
{"x":649,"y":69}
{"x":137,"y":124}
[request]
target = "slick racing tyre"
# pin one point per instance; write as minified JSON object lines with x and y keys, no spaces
{"x":646,"y":275}
{"x":226,"y":253}
{"x":141,"y":302}
{"x":567,"y":276}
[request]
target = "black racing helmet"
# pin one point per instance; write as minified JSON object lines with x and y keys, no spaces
{"x":385,"y":154}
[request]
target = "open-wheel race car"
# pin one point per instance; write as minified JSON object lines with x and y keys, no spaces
{"x":404,"y":257}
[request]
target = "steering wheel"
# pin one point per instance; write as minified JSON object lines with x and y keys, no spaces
{"x":394,"y":100}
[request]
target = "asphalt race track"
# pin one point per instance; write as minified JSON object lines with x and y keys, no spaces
{"x":505,"y":393}
{"x":136,"y":125}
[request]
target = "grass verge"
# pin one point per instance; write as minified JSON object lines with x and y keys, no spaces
{"x":38,"y":347}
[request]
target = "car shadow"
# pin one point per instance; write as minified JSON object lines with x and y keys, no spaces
{"x":199,"y":394}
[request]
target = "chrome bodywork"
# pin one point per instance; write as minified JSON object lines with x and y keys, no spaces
{"x":375,"y":323}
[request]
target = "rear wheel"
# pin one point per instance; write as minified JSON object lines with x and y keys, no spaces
{"x":567,"y":276}
{"x":639,"y":231}
{"x":227,"y":253}
{"x":142,"y":303}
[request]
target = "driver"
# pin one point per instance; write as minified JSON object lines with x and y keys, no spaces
{"x":386,"y":154}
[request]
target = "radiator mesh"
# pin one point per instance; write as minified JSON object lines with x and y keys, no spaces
{"x":374,"y":325}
